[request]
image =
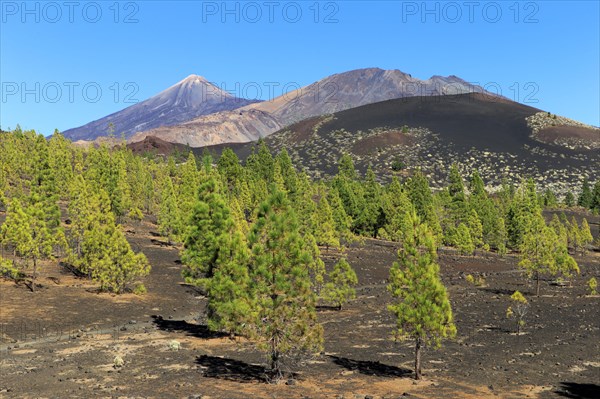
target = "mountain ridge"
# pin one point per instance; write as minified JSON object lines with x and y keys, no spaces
{"x":189,"y":98}
{"x":331,"y":94}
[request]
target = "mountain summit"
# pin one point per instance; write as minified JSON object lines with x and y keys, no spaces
{"x":190,"y":98}
{"x":334,"y":93}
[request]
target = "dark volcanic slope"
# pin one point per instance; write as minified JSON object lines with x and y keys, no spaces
{"x":472,"y":120}
{"x":478,"y":131}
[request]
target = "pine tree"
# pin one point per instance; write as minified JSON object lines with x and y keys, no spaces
{"x":290,"y":177}
{"x":421,"y":304}
{"x":543,"y":252}
{"x":341,"y":220}
{"x":229,"y":167}
{"x":316,"y":269}
{"x":26,"y":229}
{"x":420,"y":195}
{"x":595,"y":205}
{"x":574,"y":237}
{"x":459,"y":209}
{"x":523,"y":209}
{"x":585,"y":234}
{"x":475,"y":229}
{"x":463,"y":240}
{"x":369,"y":220}
{"x":585,"y":197}
{"x":342,"y":280}
{"x":346,"y":167}
{"x":82,"y":209}
{"x":229,"y":305}
{"x":239,"y":218}
{"x":169,"y":219}
{"x":210,"y":218}
{"x":115,"y":266}
{"x":518,"y":309}
{"x":559,"y":229}
{"x":396,"y":205}
{"x":285,"y":319}
{"x":325,"y":233}
{"x":188,"y":180}
{"x":549,"y":199}
{"x":569,"y":200}
{"x":105,"y":253}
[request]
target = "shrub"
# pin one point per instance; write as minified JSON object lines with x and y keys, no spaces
{"x":140,"y":289}
{"x":174,"y":345}
{"x":518,"y":309}
{"x":118,"y":362}
{"x":592,"y":286}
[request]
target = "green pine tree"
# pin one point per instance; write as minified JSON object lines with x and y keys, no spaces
{"x":420,"y":301}
{"x":543,"y":252}
{"x":169,"y":218}
{"x":585,"y":197}
{"x":342,"y":280}
{"x":325,"y":233}
{"x":569,"y":200}
{"x":229,"y":304}
{"x":285,"y":319}
{"x":26,"y":230}
{"x":210,"y":218}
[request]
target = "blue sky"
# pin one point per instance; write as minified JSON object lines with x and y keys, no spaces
{"x":54,"y":56}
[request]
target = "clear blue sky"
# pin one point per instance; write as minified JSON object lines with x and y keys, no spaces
{"x":537,"y":50}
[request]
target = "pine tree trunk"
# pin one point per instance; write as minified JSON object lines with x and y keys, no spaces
{"x":418,"y":359}
{"x":275,"y":366}
{"x":537,"y":283}
{"x":33,"y":276}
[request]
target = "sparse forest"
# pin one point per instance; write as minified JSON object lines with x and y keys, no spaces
{"x":252,"y":235}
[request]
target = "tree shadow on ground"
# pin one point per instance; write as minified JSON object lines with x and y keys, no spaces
{"x":323,"y":308}
{"x":370,"y":368}
{"x":575,"y":390}
{"x":194,"y":330}
{"x":504,"y":291}
{"x":231,"y":369}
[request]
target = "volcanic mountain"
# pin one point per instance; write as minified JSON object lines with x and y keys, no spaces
{"x":192,"y":97}
{"x":498,"y":137}
{"x":331,"y":94}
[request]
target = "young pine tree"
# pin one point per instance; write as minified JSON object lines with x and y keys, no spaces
{"x":325,"y":232}
{"x":229,"y":304}
{"x":463,"y":240}
{"x":210,"y":218}
{"x":518,"y":309}
{"x":585,"y":234}
{"x":585,"y":197}
{"x":27,"y":231}
{"x":543,"y":252}
{"x":284,"y":314}
{"x":420,"y":301}
{"x":105,"y":253}
{"x":169,"y":218}
{"x":569,"y":200}
{"x":342,"y":280}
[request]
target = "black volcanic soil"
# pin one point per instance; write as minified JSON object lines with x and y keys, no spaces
{"x":586,"y":135}
{"x":394,"y":137}
{"x":61,"y":340}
